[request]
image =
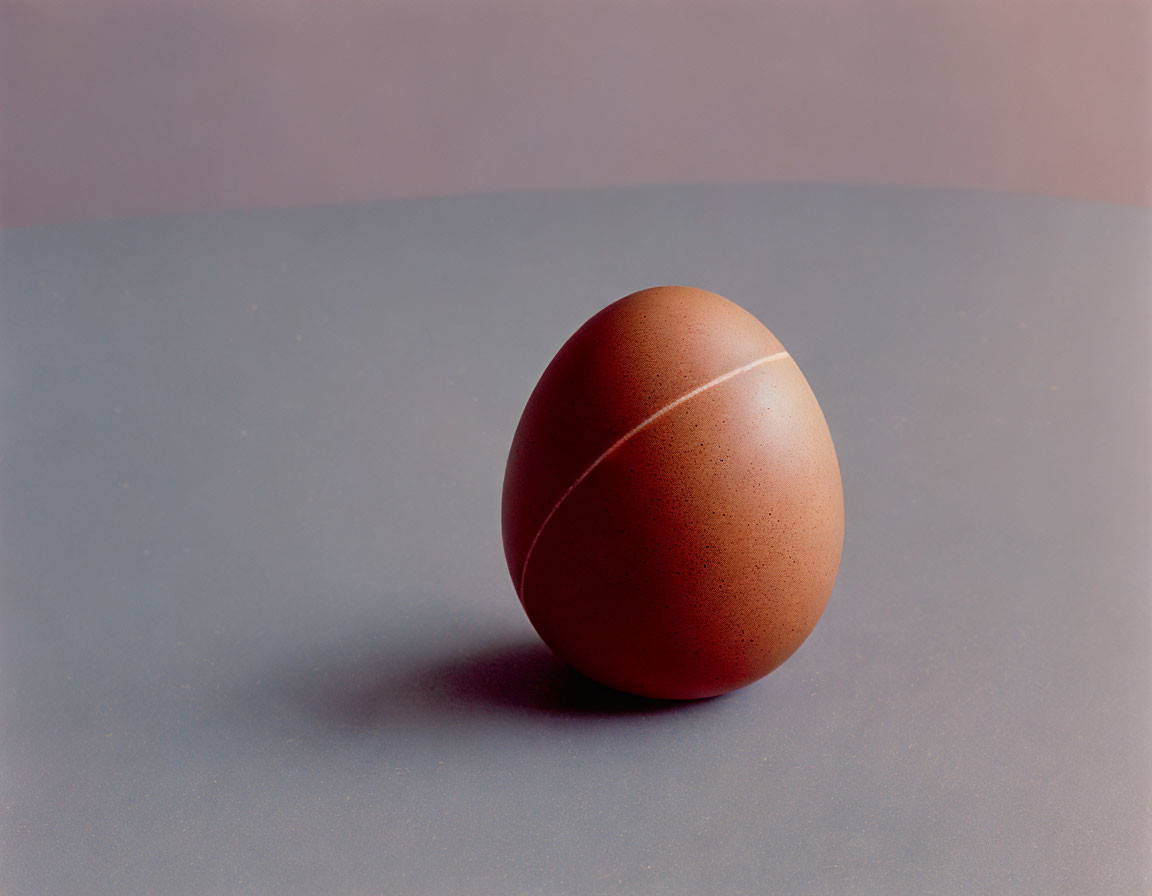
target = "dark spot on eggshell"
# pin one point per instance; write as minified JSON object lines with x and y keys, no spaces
{"x":734,"y":493}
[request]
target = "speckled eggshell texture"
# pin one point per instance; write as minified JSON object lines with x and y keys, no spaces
{"x":673,"y":514}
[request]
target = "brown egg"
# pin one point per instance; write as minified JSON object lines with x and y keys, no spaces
{"x":673,"y":515}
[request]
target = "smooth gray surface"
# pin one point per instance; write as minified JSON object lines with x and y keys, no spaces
{"x":257,"y":631}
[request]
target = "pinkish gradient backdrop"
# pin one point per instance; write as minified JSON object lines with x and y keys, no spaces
{"x":123,"y":107}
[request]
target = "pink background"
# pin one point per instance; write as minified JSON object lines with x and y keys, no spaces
{"x":126,"y":107}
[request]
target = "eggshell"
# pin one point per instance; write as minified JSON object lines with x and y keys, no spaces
{"x":672,"y":513}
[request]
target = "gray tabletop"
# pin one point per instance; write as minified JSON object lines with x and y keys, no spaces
{"x":258,"y":635}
